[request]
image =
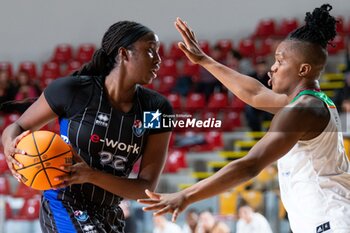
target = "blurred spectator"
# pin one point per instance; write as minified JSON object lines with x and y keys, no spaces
{"x":163,"y":225}
{"x":251,"y":222}
{"x":209,"y":224}
{"x":26,"y":93}
{"x":233,"y":60}
{"x":7,"y":91}
{"x":254,"y":116}
{"x":130,"y":226}
{"x":191,"y":221}
{"x":342,"y":97}
{"x":207,"y":83}
{"x":184,"y":82}
{"x":25,"y":88}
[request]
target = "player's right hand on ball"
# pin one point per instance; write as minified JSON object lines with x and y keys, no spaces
{"x":78,"y":173}
{"x":10,"y":150}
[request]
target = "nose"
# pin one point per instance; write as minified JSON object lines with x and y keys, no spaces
{"x":157,"y":58}
{"x":273,"y":67}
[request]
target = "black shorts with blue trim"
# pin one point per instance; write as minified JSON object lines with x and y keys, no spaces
{"x":71,"y":215}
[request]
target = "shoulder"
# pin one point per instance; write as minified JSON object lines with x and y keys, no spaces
{"x":150,"y":94}
{"x":309,"y":107}
{"x":152,"y":98}
{"x":64,"y":94}
{"x":70,"y":82}
{"x":307,"y":115}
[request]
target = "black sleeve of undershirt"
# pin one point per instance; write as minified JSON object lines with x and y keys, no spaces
{"x":66,"y":95}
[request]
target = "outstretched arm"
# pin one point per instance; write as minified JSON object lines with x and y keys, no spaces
{"x":246,"y":88}
{"x":288,"y":126}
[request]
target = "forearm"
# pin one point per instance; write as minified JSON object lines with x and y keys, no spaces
{"x":121,"y":186}
{"x":229,"y":176}
{"x":10,"y":133}
{"x":244,"y":87}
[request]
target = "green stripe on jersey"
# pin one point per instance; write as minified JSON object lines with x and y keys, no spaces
{"x":320,"y":95}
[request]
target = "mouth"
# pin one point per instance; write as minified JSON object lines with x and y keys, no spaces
{"x":155,"y":70}
{"x":270,"y":80}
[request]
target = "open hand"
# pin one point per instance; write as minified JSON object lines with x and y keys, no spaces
{"x":190,"y":45}
{"x":173,"y":203}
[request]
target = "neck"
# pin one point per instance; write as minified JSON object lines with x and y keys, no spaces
{"x":118,"y":89}
{"x":314,"y":85}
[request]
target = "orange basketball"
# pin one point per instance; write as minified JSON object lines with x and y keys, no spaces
{"x":46,"y":153}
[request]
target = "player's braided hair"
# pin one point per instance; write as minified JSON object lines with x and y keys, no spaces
{"x":319,"y":28}
{"x":120,"y":34}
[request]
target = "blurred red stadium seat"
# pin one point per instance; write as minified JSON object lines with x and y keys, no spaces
{"x":218,"y":101}
{"x":85,"y":52}
{"x":287,"y":26}
{"x":5,"y":187}
{"x":23,"y":191}
{"x":10,"y":118}
{"x":166,"y":84}
{"x":8,"y":211}
{"x":205,"y":46}
{"x":231,"y":120}
{"x":72,"y":66}
{"x":213,"y":141}
{"x":50,"y":71}
{"x":175,"y":52}
{"x":161,"y":50}
{"x":29,"y":211}
{"x":247,"y":47}
{"x":264,"y":49}
{"x":337,"y":45}
{"x":195,"y":101}
{"x":7,"y":66}
{"x":168,"y":67}
{"x":63,"y":53}
{"x":175,"y":100}
{"x":3,"y":164}
{"x":237,"y":104}
{"x":176,"y":160}
{"x":340,"y":25}
{"x":265,"y":28}
{"x":29,"y":67}
{"x":191,"y":69}
{"x":225,"y":45}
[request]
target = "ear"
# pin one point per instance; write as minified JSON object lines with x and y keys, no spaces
{"x":304,"y":70}
{"x":123,"y":54}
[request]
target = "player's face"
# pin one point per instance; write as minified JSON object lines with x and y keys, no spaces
{"x":144,"y":59}
{"x":284,"y":72}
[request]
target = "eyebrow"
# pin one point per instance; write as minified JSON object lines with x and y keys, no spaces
{"x":278,"y":54}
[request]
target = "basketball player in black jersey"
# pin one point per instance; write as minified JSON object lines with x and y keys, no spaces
{"x":101,"y":110}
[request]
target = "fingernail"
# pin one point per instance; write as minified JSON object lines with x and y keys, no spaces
{"x":20,"y":165}
{"x":23,"y":152}
{"x":56,"y":179}
{"x":62,"y":167}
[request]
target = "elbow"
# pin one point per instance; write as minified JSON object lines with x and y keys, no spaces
{"x":251,"y":168}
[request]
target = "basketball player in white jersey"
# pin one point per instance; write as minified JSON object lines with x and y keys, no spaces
{"x":304,"y":136}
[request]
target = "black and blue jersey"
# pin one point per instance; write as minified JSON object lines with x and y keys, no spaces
{"x":105,"y":137}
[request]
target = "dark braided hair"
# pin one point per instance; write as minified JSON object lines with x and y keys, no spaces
{"x":121,"y":34}
{"x":319,"y":28}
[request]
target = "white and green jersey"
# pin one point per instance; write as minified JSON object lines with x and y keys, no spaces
{"x":314,"y":179}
